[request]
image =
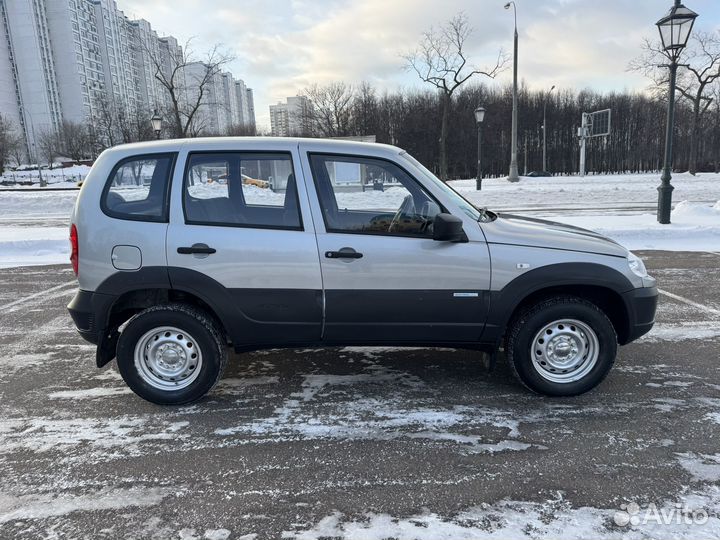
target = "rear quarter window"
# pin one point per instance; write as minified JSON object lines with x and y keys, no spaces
{"x":138,"y":188}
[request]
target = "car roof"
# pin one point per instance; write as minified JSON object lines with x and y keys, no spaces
{"x":257,"y":143}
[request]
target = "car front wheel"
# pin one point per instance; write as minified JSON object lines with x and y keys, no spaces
{"x":561,"y":346}
{"x":171,"y":354}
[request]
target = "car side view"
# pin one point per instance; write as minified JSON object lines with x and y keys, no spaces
{"x":183,"y":248}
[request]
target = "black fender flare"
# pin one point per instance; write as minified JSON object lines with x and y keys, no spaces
{"x":192,"y":282}
{"x":504,"y":302}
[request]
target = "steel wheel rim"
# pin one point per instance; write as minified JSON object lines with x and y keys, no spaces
{"x":168,"y":358}
{"x":565,"y":351}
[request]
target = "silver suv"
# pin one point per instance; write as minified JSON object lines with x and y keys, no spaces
{"x":182,"y":248}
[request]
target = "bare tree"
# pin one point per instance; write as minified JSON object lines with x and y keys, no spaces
{"x":187,"y":81}
{"x":9,"y":141}
{"x":331,"y":108}
{"x":440,"y":60}
{"x":105,"y":121}
{"x":75,"y":140}
{"x":241,"y":130}
{"x":17,"y":148}
{"x":365,"y":110}
{"x":134,"y":122}
{"x":701,"y":60}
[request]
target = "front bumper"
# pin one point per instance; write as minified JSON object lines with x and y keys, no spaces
{"x":641,"y":305}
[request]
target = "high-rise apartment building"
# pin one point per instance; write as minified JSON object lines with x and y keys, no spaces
{"x":245,"y":105}
{"x":251,"y":107}
{"x":63,"y":60}
{"x":291,"y":118}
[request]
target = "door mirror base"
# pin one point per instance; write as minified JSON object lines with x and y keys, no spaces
{"x":448,"y":228}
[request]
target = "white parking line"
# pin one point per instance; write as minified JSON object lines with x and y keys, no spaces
{"x":702,"y":307}
{"x":36,"y":295}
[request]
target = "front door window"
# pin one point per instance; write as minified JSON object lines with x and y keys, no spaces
{"x":371,"y":196}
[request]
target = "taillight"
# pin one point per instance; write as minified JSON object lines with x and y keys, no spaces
{"x":74,"y":253}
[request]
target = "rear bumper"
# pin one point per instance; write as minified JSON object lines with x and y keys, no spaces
{"x":89,"y":312}
{"x":641,"y":305}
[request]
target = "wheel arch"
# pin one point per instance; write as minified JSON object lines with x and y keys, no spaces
{"x":596,"y":283}
{"x":131,"y":292}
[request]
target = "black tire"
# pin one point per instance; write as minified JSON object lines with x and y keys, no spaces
{"x":205,"y":332}
{"x":525,"y":326}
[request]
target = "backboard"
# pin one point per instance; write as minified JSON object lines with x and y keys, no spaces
{"x":598,"y":123}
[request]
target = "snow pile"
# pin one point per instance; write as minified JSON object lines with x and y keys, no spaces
{"x":693,"y":210}
{"x":60,"y":177}
{"x":28,"y":246}
{"x":21,"y":204}
{"x":694,"y":227}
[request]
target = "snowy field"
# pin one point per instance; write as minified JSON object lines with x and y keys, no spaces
{"x":33,"y":224}
{"x":622,"y":207}
{"x":57,"y":178}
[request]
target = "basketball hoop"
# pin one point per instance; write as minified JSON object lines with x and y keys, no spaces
{"x":594,"y":124}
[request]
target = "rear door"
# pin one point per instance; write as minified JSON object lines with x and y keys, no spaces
{"x":385,"y":279}
{"x":240,"y":235}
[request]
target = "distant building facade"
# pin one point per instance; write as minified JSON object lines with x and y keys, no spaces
{"x":291,"y":118}
{"x":61,"y":60}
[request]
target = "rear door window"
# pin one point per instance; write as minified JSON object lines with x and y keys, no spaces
{"x":242,"y":190}
{"x":138,"y":188}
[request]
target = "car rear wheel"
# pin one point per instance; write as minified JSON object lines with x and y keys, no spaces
{"x":561,"y":346}
{"x":171,"y":354}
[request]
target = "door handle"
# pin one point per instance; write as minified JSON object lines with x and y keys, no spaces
{"x":344,"y":253}
{"x":196,"y":249}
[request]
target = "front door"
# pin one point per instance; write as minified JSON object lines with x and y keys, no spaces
{"x":385,"y":279}
{"x":237,"y":238}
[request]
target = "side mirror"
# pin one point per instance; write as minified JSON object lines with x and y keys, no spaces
{"x":448,"y":228}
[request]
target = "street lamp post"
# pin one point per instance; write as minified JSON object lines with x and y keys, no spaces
{"x":675,"y":28}
{"x":156,"y":122}
{"x":513,"y":175}
{"x":545,"y":167}
{"x":479,"y":117}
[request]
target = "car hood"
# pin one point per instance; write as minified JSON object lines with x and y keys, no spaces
{"x":524,"y":231}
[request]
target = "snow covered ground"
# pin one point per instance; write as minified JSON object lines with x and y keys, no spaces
{"x":34,"y":227}
{"x":33,"y":224}
{"x":622,"y":207}
{"x":58,"y":178}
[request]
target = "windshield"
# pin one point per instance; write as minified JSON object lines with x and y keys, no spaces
{"x":458,"y":199}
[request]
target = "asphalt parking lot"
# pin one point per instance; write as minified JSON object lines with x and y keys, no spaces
{"x":370,"y":443}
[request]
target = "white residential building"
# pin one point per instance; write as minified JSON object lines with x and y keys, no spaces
{"x":251,"y":107}
{"x":60,"y":60}
{"x":291,"y":118}
{"x":246,"y":112}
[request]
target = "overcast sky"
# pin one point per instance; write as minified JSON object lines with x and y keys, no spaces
{"x":282,"y":46}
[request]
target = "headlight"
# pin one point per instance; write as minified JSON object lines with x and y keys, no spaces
{"x":636,"y":265}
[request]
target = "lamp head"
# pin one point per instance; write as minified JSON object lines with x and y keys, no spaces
{"x":156,"y":121}
{"x":675,"y":28}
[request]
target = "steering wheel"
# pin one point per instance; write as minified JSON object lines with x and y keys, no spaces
{"x":407,"y":207}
